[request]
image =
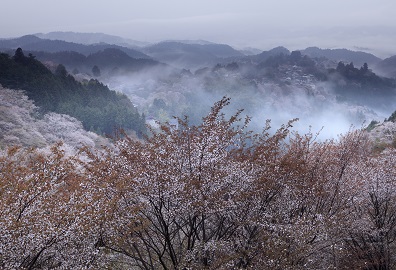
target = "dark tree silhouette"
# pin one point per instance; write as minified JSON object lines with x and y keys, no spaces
{"x":96,"y":71}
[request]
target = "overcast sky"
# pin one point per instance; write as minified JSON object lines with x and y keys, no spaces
{"x":262,"y":24}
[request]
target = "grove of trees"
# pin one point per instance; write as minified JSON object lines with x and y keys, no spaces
{"x":21,"y":124}
{"x":93,"y":103}
{"x":210,"y":196}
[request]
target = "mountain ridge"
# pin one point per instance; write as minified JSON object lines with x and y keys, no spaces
{"x":343,"y":55}
{"x":91,"y":38}
{"x":178,"y":53}
{"x":108,"y":60}
{"x":33,"y":43}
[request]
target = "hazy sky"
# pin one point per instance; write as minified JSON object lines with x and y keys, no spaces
{"x":257,"y":23}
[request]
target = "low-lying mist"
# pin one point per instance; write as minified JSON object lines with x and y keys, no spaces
{"x":162,"y":94}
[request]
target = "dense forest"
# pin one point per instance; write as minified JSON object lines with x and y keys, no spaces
{"x":98,"y":108}
{"x":212,"y":196}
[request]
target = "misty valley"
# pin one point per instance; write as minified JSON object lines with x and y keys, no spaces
{"x":331,"y":91}
{"x":183,"y":154}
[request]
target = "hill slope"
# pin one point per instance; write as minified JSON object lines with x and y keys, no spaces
{"x":91,"y":38}
{"x":357,"y":57}
{"x":190,"y":55}
{"x":20,"y":125}
{"x":98,"y":108}
{"x":33,"y":43}
{"x":387,"y":67}
{"x":108,"y":60}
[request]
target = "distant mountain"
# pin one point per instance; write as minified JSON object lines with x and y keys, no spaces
{"x":250,"y":51}
{"x":14,"y":43}
{"x":91,"y":38}
{"x":111,"y":58}
{"x":184,"y":55}
{"x":187,"y":41}
{"x":387,"y":67}
{"x":261,"y":57}
{"x":221,"y":50}
{"x":357,"y":57}
{"x":69,"y":59}
{"x":33,"y":43}
{"x":108,"y":60}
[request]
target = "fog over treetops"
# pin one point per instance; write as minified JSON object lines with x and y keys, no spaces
{"x":328,"y":90}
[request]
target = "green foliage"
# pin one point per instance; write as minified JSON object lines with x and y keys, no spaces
{"x":94,"y":104}
{"x":372,"y":125}
{"x":392,"y":118}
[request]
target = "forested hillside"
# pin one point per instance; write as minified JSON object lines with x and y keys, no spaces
{"x":33,"y":43}
{"x":98,"y":108}
{"x":21,"y":124}
{"x":211,"y":196}
{"x":110,"y":61}
{"x":279,"y":85}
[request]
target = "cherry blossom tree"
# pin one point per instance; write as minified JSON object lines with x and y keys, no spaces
{"x":372,"y":234}
{"x":216,"y":195}
{"x":211,"y":196}
{"x":43,"y":212}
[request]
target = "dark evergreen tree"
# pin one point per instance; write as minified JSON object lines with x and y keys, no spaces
{"x":392,"y":118}
{"x":295,"y":56}
{"x":19,"y":55}
{"x":61,"y":71}
{"x":96,"y":71}
{"x":94,"y":104}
